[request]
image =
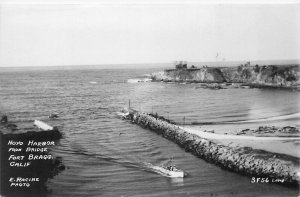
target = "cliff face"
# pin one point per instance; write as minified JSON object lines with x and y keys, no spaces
{"x":197,"y":75}
{"x":264,"y":75}
{"x":282,"y":76}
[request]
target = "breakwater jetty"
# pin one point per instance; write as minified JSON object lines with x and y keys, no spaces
{"x":272,"y":167}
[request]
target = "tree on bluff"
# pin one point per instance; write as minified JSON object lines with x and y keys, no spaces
{"x":246,"y":73}
{"x":240,"y":68}
{"x":256,"y":68}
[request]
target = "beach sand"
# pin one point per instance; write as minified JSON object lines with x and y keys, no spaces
{"x":283,"y":145}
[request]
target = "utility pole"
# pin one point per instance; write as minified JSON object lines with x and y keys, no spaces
{"x":129,"y":104}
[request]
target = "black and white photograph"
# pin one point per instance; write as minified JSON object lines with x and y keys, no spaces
{"x":140,"y":98}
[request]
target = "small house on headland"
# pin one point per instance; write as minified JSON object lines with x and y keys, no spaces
{"x":181,"y":65}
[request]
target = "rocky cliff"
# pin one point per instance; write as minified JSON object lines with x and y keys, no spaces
{"x":190,"y":75}
{"x":272,"y":75}
{"x":265,"y":75}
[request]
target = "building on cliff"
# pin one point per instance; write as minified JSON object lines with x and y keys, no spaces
{"x":181,"y":65}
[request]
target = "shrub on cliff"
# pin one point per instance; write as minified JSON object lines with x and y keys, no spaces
{"x":256,"y":68}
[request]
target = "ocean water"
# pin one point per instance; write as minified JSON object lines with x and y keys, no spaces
{"x":107,"y":156}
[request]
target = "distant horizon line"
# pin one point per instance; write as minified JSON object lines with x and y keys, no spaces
{"x":297,"y":61}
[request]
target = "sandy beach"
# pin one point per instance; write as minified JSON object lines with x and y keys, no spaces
{"x":284,"y":145}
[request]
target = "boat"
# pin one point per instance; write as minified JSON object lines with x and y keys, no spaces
{"x":43,"y":126}
{"x":170,"y":171}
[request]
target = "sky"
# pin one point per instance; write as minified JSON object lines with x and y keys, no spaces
{"x":124,"y":32}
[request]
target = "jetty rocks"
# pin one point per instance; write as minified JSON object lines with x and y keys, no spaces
{"x":245,"y":161}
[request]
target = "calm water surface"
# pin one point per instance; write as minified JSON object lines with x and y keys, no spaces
{"x":107,"y":156}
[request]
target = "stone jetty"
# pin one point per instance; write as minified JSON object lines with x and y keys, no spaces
{"x":273,"y":167}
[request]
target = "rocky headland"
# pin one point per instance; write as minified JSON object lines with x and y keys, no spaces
{"x":272,"y":76}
